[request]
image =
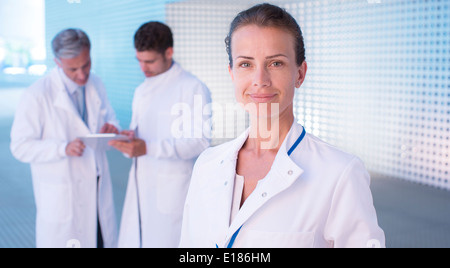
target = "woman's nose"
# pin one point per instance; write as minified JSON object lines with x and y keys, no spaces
{"x":261,"y":78}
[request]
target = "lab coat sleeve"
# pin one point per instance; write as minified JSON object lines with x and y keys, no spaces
{"x":189,"y":232}
{"x":352,"y":220}
{"x":27,"y":144}
{"x":195,"y":139}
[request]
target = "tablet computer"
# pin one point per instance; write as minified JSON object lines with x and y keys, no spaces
{"x":100,"y":141}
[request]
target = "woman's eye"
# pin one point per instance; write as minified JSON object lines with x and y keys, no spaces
{"x":244,"y":65}
{"x":277,"y":64}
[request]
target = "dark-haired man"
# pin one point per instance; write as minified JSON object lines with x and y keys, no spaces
{"x":165,"y":143}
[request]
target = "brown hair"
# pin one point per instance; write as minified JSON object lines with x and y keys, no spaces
{"x":153,"y":36}
{"x":267,"y":15}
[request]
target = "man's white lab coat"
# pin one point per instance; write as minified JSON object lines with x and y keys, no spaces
{"x":316,"y":197}
{"x":65,"y":188}
{"x":169,"y":114}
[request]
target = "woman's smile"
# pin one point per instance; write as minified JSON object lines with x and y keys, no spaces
{"x":263,"y":97}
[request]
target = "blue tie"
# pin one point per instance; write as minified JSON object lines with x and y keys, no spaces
{"x":81,"y":104}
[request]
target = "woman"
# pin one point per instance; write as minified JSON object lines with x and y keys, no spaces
{"x":276,"y":185}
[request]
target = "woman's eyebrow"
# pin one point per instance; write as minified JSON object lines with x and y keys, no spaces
{"x":276,"y":56}
{"x":267,"y":58}
{"x":245,"y":57}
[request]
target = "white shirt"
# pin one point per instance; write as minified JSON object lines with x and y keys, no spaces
{"x":237,"y":196}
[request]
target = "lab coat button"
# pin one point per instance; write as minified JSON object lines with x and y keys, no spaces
{"x":264,"y":194}
{"x":221,"y":162}
{"x":290,"y":172}
{"x":226,"y":183}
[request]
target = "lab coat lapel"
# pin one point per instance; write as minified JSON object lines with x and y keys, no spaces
{"x":159,"y":82}
{"x":93,"y":106}
{"x":283,"y":174}
{"x":223,"y":192}
{"x":63,"y":101}
{"x":151,"y":86}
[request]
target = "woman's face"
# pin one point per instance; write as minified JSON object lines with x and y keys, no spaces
{"x":264,"y":70}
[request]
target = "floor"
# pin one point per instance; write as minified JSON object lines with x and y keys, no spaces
{"x":412,"y":215}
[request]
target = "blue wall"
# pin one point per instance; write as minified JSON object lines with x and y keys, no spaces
{"x":111,"y":26}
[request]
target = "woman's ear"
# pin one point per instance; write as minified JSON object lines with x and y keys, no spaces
{"x":230,"y":71}
{"x":301,"y":74}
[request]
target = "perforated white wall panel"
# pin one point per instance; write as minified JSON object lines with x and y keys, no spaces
{"x":378,"y":83}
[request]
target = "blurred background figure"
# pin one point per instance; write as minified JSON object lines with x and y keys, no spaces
{"x":72,"y":184}
{"x":161,"y":172}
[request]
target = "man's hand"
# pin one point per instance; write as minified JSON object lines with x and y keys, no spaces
{"x":129,"y":133}
{"x":108,"y":128}
{"x":75,"y":148}
{"x":132,"y":148}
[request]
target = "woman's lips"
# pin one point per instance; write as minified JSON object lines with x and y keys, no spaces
{"x":261,"y":98}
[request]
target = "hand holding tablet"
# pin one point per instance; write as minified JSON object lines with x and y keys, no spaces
{"x":100,"y":141}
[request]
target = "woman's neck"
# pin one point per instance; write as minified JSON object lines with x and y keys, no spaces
{"x":268,"y":133}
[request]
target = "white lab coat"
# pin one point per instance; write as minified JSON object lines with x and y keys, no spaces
{"x":163,"y":174}
{"x":65,"y":188}
{"x":317,"y":197}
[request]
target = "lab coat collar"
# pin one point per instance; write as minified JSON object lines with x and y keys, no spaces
{"x":292,"y":136}
{"x":63,"y":101}
{"x":174,"y":69}
{"x":70,"y":85}
{"x":283,"y":174}
{"x":154,"y":84}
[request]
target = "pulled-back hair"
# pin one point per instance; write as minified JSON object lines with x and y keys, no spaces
{"x":153,"y":36}
{"x":267,"y":15}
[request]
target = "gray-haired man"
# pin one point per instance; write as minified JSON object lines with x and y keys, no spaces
{"x":72,"y":184}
